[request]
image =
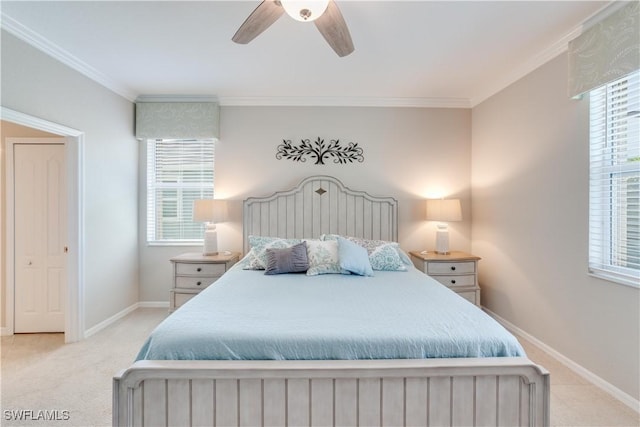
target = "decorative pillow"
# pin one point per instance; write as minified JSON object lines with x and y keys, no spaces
{"x":323,"y":257}
{"x":287,"y":260}
{"x":404,"y":257}
{"x":354,"y":258}
{"x":383,"y":255}
{"x":244,"y":262}
{"x":257,"y":256}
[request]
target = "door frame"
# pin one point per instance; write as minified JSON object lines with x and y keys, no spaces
{"x":74,"y":149}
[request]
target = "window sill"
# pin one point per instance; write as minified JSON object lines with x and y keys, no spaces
{"x":167,"y":244}
{"x":612,"y":277}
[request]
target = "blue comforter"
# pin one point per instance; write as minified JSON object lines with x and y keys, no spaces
{"x":393,"y":315}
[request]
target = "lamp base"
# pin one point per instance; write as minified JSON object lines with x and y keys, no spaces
{"x":442,"y":242}
{"x":210,"y":240}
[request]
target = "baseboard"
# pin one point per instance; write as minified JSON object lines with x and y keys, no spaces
{"x":153,"y":304}
{"x":4,"y":331}
{"x":111,"y":320}
{"x":575,"y":367}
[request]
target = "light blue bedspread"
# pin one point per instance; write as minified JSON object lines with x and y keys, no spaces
{"x":393,"y":315}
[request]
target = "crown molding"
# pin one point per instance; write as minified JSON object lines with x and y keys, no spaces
{"x":38,"y":41}
{"x":41,"y":43}
{"x":556,"y":49}
{"x":529,"y":66}
{"x":321,"y":101}
{"x":177,"y":98}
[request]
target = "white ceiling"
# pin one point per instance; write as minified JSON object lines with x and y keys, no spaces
{"x":441,"y":53}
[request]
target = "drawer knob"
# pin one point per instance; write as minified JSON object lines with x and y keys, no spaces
{"x":453,"y":282}
{"x":453,"y":268}
{"x":199,"y":283}
{"x":199,"y":269}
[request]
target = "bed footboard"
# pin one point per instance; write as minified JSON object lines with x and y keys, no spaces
{"x":432,"y":392}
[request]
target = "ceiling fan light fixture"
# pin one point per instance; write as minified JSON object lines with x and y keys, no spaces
{"x":305,"y":10}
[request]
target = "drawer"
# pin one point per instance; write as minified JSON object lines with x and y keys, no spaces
{"x":463,"y":267}
{"x":195,"y":269}
{"x":180,"y":298}
{"x":455,"y":281}
{"x":469,"y":296}
{"x":190,"y":282}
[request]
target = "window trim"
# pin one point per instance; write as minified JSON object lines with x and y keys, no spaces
{"x":168,"y":243}
{"x":611,"y":276}
{"x":601,"y":208}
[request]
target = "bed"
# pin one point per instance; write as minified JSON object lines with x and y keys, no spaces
{"x":394,"y":348}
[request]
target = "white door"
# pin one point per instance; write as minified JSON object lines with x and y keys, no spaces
{"x":40,"y":234}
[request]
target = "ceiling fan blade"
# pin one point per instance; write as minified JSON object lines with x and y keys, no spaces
{"x":260,"y":19}
{"x":334,"y":30}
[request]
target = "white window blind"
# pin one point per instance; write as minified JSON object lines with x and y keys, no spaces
{"x":178,"y":172}
{"x":614,"y":193}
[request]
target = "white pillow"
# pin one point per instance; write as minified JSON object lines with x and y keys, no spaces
{"x":323,"y":257}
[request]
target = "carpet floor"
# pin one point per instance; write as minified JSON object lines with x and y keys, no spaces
{"x":73,"y":381}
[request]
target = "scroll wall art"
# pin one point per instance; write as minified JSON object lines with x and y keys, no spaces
{"x":320,"y":151}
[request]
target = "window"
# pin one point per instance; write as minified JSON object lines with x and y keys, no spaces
{"x":178,"y":172}
{"x":614,"y":190}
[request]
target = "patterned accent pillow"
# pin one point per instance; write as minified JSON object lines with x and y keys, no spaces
{"x":383,"y":255}
{"x":257,"y":256}
{"x":323,"y":257}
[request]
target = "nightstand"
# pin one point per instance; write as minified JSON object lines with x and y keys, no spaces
{"x":457,"y":270}
{"x":192,"y":272}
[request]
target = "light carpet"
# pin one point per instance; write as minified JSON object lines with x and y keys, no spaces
{"x":41,"y":373}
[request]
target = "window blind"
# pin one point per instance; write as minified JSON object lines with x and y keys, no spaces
{"x":614,"y":193}
{"x":178,"y":172}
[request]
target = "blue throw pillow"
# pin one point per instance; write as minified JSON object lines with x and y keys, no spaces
{"x":383,"y":255}
{"x":354,"y":258}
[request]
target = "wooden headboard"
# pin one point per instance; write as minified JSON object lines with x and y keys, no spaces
{"x":320,"y":205}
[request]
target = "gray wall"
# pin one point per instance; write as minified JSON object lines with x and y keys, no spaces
{"x":35,"y":84}
{"x":410,"y":154}
{"x":530,"y":180}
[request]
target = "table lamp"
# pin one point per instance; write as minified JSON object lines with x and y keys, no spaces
{"x":210,"y":211}
{"x":443,"y":210}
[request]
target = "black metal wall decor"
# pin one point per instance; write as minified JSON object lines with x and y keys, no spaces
{"x":320,"y":151}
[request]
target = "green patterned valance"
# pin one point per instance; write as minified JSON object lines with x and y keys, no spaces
{"x":165,"y":118}
{"x":607,"y":51}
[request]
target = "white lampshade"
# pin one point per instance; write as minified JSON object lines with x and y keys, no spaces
{"x":443,"y":210}
{"x":210,"y":211}
{"x":305,"y":10}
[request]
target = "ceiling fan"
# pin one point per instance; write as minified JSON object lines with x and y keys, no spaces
{"x":324,"y":13}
